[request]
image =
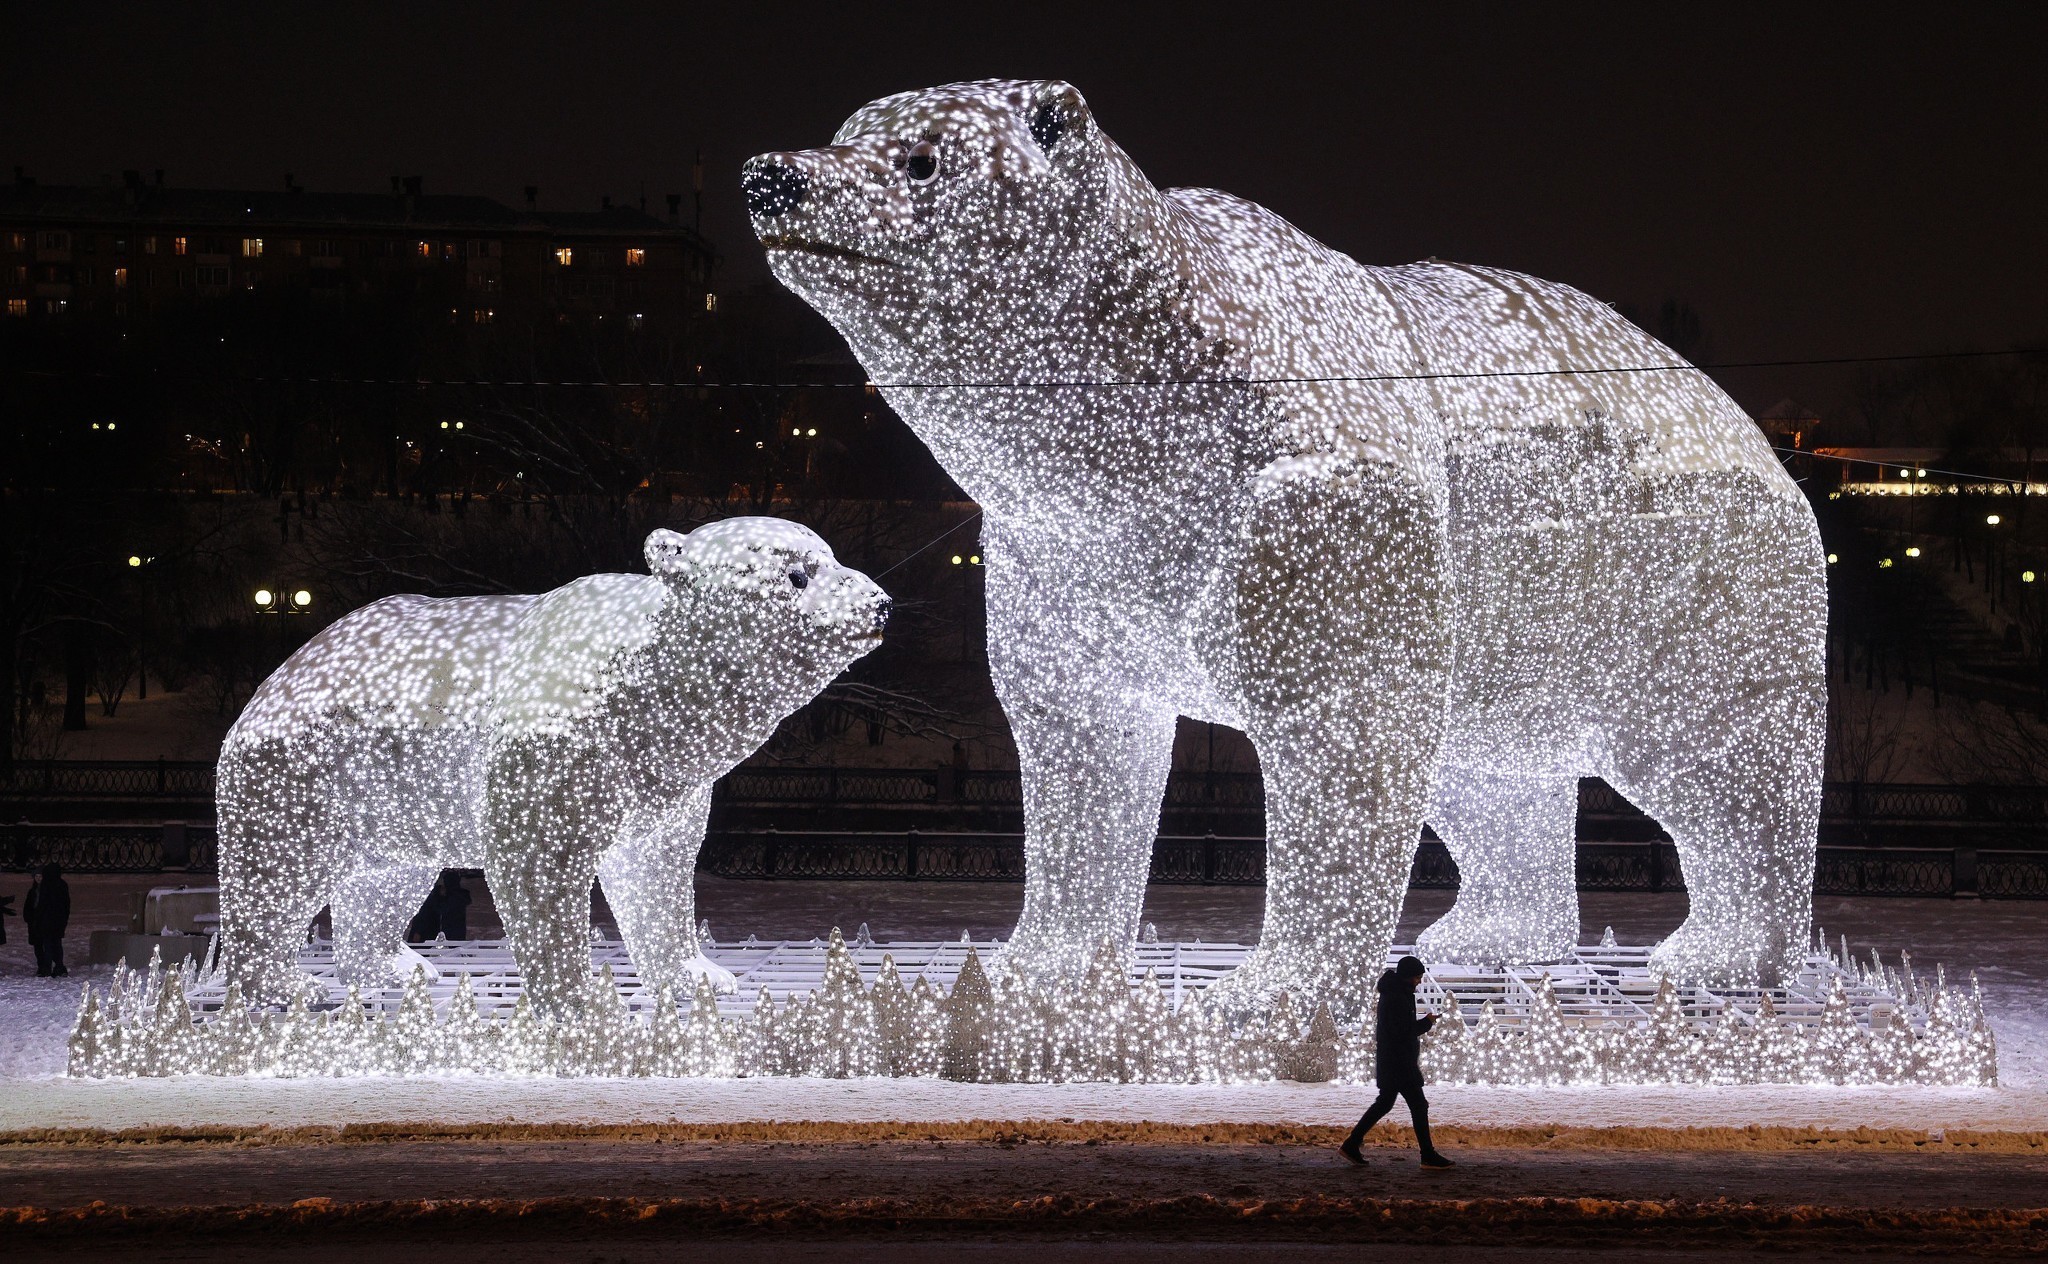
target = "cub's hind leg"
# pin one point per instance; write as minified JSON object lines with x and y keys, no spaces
{"x":372,"y":906}
{"x":1514,"y":840}
{"x":275,"y":871}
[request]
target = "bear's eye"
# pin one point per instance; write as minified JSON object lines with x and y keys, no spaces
{"x":797,"y":577}
{"x":1048,"y":125}
{"x":923,"y":165}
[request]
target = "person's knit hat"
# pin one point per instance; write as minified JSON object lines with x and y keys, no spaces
{"x":1409,"y":968}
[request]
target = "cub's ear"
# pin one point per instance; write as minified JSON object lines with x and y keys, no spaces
{"x":667,"y":552}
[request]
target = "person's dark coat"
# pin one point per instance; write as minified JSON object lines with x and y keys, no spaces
{"x":427,"y":922}
{"x":1397,"y":1035}
{"x":455,"y":900}
{"x":48,"y":909}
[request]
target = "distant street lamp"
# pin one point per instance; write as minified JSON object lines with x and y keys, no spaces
{"x":299,"y":601}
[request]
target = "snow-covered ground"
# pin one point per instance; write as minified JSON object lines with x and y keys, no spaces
{"x":2006,"y":943}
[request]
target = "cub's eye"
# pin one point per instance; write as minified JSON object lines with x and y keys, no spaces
{"x":797,"y":578}
{"x":1048,"y":125}
{"x":923,"y":166}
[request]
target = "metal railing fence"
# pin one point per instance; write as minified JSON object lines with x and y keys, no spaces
{"x":1209,"y":859}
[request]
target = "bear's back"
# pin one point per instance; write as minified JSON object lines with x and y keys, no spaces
{"x":407,"y":663}
{"x":1492,"y":349}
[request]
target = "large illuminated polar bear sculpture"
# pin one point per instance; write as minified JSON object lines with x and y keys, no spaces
{"x":1406,"y":527}
{"x":548,"y":740}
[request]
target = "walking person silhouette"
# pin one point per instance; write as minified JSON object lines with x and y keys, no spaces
{"x":1397,"y":1061}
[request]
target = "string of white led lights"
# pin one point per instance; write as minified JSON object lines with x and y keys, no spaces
{"x":1601,"y":1020}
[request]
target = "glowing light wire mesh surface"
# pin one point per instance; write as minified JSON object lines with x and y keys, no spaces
{"x":1423,"y":600}
{"x":546,"y":740}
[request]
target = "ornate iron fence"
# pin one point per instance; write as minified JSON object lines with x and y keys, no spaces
{"x":107,"y":779}
{"x":1843,"y":804}
{"x":1209,"y":859}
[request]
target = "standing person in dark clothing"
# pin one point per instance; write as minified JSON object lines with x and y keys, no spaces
{"x":47,"y":911}
{"x":427,"y":922}
{"x":454,"y":906}
{"x":1397,"y":1061}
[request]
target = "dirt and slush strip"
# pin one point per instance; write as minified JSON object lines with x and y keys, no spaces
{"x":1635,"y":1192}
{"x":1588,"y":1223}
{"x":1062,"y":1131}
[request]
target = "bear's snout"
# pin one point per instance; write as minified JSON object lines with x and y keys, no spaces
{"x":773,"y":187}
{"x":882,"y":609}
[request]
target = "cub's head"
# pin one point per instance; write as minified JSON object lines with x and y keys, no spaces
{"x":773,"y":586}
{"x":951,"y":226}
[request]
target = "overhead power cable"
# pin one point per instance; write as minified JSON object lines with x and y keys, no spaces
{"x":1094,"y":384}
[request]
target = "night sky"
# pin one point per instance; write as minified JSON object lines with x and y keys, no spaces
{"x":1830,"y":182}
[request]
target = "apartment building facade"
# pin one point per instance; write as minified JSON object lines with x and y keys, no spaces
{"x":142,"y":247}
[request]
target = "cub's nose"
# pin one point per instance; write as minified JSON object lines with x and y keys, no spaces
{"x":882,"y":609}
{"x":773,"y":187}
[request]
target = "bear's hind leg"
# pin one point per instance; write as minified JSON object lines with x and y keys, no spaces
{"x":1514,"y":838}
{"x":372,"y":907}
{"x":1744,"y":817}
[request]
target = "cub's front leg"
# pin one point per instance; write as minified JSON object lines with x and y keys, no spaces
{"x":1093,"y":750}
{"x":649,"y":877}
{"x":547,"y":815}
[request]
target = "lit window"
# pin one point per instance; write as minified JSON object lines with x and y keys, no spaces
{"x":179,"y":245}
{"x":483,"y":315}
{"x":17,"y":241}
{"x":252,"y":247}
{"x":636,"y":320}
{"x":424,"y":250}
{"x":710,"y":302}
{"x":635,"y":256}
{"x":149,"y":245}
{"x":564,"y":255}
{"x":120,"y":278}
{"x":450,"y":251}
{"x":17,"y":307}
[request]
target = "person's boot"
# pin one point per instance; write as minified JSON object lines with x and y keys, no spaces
{"x":59,"y":972}
{"x":1349,"y":1149}
{"x":1431,"y":1159}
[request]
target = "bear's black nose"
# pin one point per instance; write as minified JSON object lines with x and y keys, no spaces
{"x":882,"y":609}
{"x":774,"y":188}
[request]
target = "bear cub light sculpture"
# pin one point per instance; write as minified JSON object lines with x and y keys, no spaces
{"x":548,"y":740}
{"x":1440,"y":539}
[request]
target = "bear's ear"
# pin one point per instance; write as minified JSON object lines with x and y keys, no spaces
{"x":667,"y":552}
{"x":1058,"y":117}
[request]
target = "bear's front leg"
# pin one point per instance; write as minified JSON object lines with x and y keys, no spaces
{"x":649,"y":878}
{"x":1093,"y":751}
{"x":547,"y":815}
{"x":1341,"y":664}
